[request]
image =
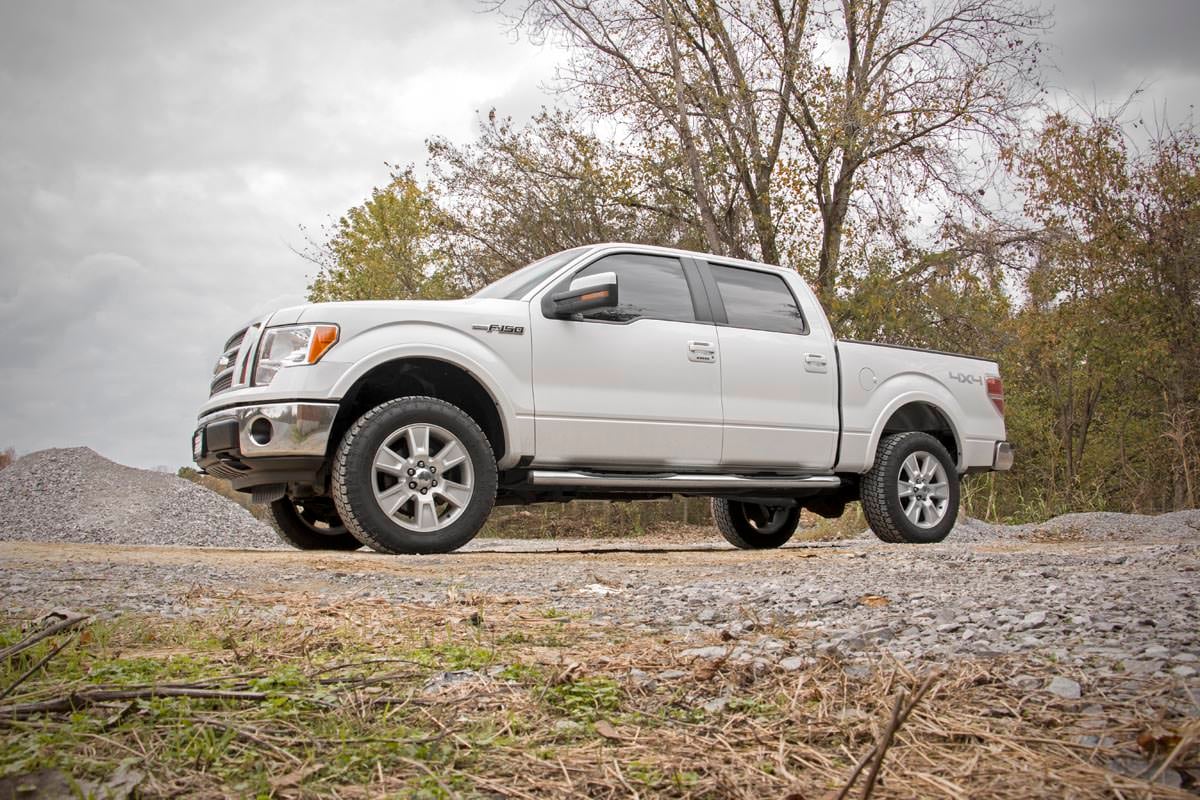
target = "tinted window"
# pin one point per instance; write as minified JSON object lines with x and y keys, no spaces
{"x":647,"y":286}
{"x":758,"y":300}
{"x":516,"y":285}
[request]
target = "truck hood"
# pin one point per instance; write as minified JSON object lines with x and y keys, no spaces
{"x":431,"y":310}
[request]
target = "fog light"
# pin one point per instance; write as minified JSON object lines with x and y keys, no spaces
{"x":261,"y":431}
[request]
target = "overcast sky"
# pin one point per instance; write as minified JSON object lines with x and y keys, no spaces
{"x":157,"y":158}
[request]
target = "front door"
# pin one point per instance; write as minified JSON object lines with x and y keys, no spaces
{"x":633,"y":386}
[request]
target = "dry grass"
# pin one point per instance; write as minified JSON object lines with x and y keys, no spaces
{"x":355,"y":700}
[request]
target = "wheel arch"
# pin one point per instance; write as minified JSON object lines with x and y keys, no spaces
{"x":918,"y":412}
{"x":429,"y":376}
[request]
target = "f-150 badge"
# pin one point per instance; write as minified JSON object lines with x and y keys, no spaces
{"x":518,"y":330}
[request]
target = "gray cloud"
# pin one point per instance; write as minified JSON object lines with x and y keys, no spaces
{"x":155,"y":161}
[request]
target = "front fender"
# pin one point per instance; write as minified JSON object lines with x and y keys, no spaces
{"x":501,"y":365}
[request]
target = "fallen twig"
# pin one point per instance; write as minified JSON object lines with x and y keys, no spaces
{"x":67,"y":621}
{"x":41,"y":663}
{"x":880,"y":747}
{"x":78,"y":700}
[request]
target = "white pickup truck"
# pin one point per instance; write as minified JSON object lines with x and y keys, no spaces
{"x":608,"y":371}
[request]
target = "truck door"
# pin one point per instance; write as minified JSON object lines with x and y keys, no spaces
{"x":778,"y":376}
{"x":631,"y":386}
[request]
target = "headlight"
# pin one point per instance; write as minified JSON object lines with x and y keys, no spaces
{"x":291,"y":345}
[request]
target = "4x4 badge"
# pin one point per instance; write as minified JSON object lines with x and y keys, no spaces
{"x":518,"y":330}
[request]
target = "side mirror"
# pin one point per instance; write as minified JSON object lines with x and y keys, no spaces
{"x":585,"y":294}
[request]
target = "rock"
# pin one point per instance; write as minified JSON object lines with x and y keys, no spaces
{"x":1183,"y":671}
{"x":949,"y":627}
{"x":829,"y":598}
{"x":1034,"y":619}
{"x":707,"y":615}
{"x":708,"y":653}
{"x":716,"y":704}
{"x":671,"y":674}
{"x":1064,"y":688}
{"x":794,"y":663}
{"x":1156,"y":651}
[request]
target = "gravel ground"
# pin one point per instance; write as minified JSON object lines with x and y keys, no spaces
{"x":77,"y":495}
{"x":1097,"y":607}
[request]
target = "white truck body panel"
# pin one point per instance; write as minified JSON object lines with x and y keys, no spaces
{"x":574,"y":393}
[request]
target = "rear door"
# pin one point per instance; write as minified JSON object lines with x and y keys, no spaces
{"x":633,"y":386}
{"x":778,"y":373}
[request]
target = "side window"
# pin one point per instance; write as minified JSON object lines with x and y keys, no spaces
{"x":647,"y":287}
{"x":758,"y":300}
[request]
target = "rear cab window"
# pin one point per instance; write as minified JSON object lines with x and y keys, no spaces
{"x":759,"y":300}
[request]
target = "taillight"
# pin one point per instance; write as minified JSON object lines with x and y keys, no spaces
{"x":995,"y":393}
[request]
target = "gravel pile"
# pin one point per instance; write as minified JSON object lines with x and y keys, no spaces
{"x":77,"y":495}
{"x":1092,"y":526}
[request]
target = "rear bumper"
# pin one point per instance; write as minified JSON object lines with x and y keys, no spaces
{"x":1002,"y":461}
{"x":254,"y":445}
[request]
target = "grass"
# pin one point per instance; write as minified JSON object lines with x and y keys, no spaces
{"x":367,"y":699}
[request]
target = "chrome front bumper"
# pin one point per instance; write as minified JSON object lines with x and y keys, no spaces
{"x":1002,"y":461}
{"x":276,"y":429}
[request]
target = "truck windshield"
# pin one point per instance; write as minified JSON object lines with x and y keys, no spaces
{"x":515,"y":285}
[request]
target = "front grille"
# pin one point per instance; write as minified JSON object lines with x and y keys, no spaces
{"x":235,"y":341}
{"x":221,"y":383}
{"x":223,"y":376}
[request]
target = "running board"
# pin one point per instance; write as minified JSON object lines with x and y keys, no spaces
{"x":670,"y":482}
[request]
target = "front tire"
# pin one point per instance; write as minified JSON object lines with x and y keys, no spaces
{"x":311,"y":524}
{"x":911,"y":494}
{"x":753,"y":526}
{"x":414,"y":475}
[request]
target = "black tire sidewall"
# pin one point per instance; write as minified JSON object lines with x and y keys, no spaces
{"x":890,"y":474}
{"x":353,"y":477}
{"x":731,"y":520}
{"x":293,"y":530}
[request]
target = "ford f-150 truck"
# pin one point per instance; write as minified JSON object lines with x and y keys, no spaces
{"x":607,"y":371}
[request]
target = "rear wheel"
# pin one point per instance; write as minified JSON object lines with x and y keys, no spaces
{"x":754,"y":526}
{"x":911,"y":494}
{"x":311,"y":524}
{"x":414,"y":475}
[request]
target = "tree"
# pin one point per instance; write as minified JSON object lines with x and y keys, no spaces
{"x":1110,"y":336}
{"x":7,"y":457}
{"x":518,"y":193}
{"x":381,"y":249}
{"x":830,"y":98}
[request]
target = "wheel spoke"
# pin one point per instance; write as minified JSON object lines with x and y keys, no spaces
{"x":389,"y":462}
{"x":451,"y":455}
{"x":913,"y":512}
{"x":426,"y":513}
{"x":906,"y":489}
{"x":457,"y":494}
{"x":940,"y":490}
{"x":912,"y":467}
{"x":391,"y":500}
{"x":418,"y":441}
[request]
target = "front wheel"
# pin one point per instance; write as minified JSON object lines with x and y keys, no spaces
{"x":754,"y":526}
{"x":414,"y":475}
{"x":911,"y":494}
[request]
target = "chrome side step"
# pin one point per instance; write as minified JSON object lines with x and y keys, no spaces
{"x":669,"y":482}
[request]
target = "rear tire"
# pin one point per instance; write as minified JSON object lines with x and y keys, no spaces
{"x":414,"y":475}
{"x":911,"y":494}
{"x":311,"y":525}
{"x":753,"y":526}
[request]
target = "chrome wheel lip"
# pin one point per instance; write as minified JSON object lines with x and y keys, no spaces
{"x":923,"y":488}
{"x":420,"y":498}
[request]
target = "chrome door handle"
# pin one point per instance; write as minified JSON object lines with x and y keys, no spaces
{"x":815,"y":362}
{"x":702,"y":352}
